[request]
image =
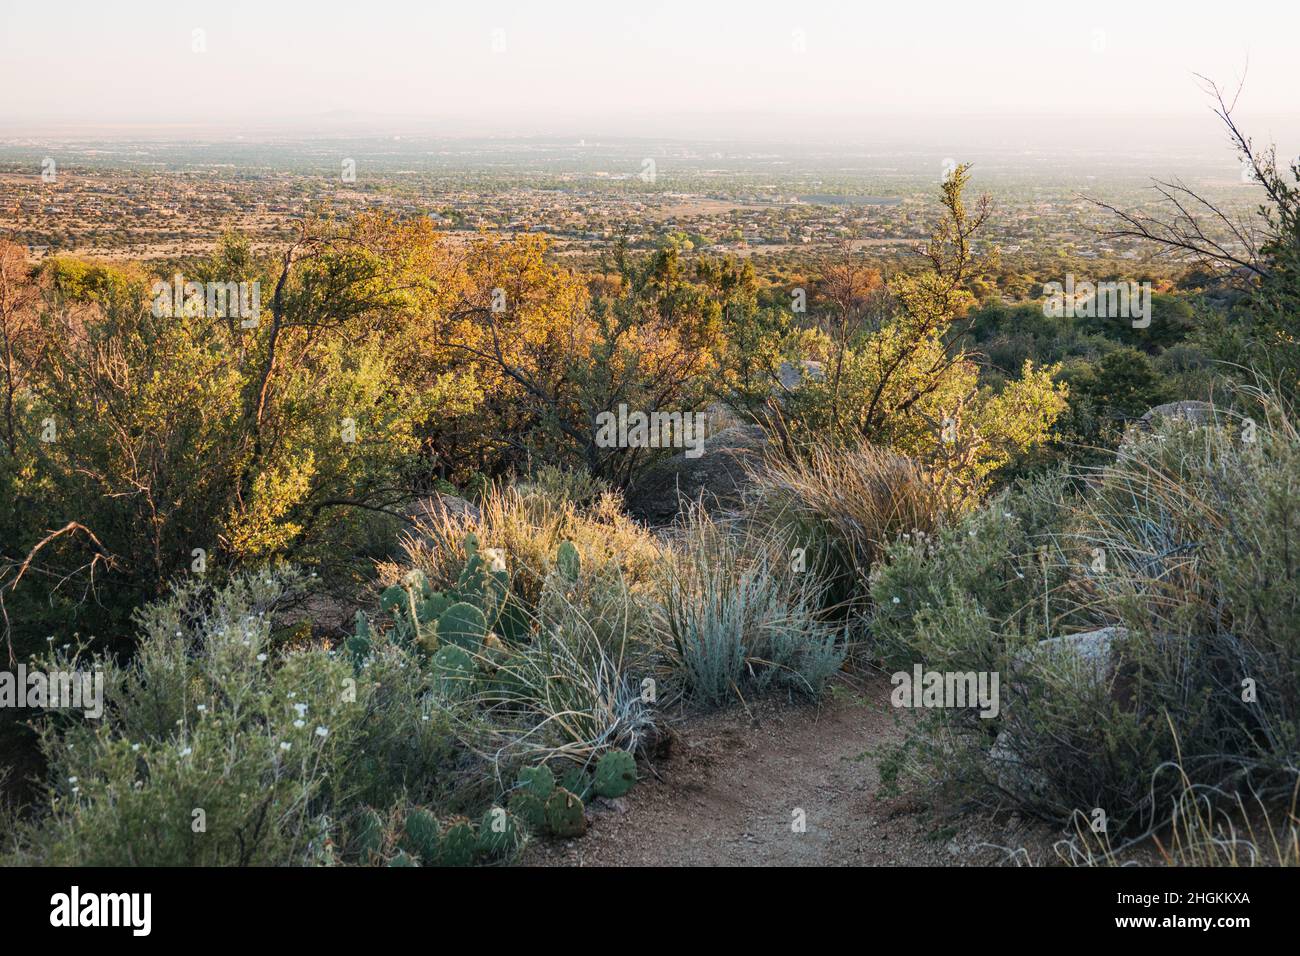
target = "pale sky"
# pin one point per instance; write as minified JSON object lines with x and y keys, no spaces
{"x":134,"y":62}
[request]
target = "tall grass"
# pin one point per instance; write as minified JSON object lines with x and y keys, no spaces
{"x":739,"y":616}
{"x":1206,"y":826}
{"x":844,"y":506}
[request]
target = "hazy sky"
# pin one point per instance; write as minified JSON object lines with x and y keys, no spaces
{"x":135,"y":62}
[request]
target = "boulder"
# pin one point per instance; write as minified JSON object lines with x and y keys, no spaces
{"x":1190,"y":412}
{"x":438,"y":504}
{"x":792,"y":375}
{"x":718,"y":477}
{"x":1088,"y":658}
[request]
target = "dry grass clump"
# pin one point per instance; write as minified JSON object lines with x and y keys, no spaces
{"x":844,"y":506}
{"x":527,"y":525}
{"x":1206,"y":826}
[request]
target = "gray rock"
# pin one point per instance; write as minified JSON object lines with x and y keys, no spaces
{"x":439,"y":503}
{"x":1193,"y":412}
{"x":792,"y":376}
{"x":718,"y":477}
{"x":1089,"y":654}
{"x":1190,"y":412}
{"x":1088,"y":658}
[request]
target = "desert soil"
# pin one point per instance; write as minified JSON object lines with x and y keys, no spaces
{"x":728,"y":789}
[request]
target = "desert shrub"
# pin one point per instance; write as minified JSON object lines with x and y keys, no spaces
{"x":1198,"y":527}
{"x":844,"y":506}
{"x":1184,"y":543}
{"x":145,"y":435}
{"x":739,"y":616}
{"x":574,"y":487}
{"x":217,"y":749}
{"x":998,"y":570}
{"x":897,"y":375}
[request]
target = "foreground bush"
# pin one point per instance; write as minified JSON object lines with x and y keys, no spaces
{"x":217,"y":749}
{"x":1185,"y":546}
{"x":739,"y":616}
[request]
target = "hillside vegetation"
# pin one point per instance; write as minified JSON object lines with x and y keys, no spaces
{"x":362,"y":582}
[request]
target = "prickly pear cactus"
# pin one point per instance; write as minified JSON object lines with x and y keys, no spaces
{"x":529,"y":809}
{"x":578,"y":782}
{"x":565,"y":814}
{"x":568,"y":560}
{"x":513,"y":622}
{"x":464,"y":626}
{"x":403,"y":859}
{"x":458,"y":844}
{"x":453,"y":671}
{"x":393,"y":600}
{"x":499,"y":834}
{"x":368,"y":835}
{"x":423,"y":836}
{"x":358,"y":645}
{"x":540,"y":781}
{"x":615,"y":773}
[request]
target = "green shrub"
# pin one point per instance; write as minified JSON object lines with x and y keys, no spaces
{"x":215,"y":750}
{"x":1186,"y":544}
{"x":938,"y":598}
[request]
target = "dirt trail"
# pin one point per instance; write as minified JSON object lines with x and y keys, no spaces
{"x":727,"y":792}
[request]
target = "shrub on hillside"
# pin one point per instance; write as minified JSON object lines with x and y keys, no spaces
{"x":215,"y":749}
{"x":1185,"y":544}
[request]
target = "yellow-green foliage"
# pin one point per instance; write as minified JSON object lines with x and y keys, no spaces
{"x":907,"y":384}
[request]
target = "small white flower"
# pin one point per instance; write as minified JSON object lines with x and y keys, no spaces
{"x":285,"y":745}
{"x":187,"y":751}
{"x":300,"y":708}
{"x":896,"y":601}
{"x":72,"y":780}
{"x":261,"y":658}
{"x":202,"y":708}
{"x":322,"y":731}
{"x":300,"y":724}
{"x":293,"y":694}
{"x":135,"y":748}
